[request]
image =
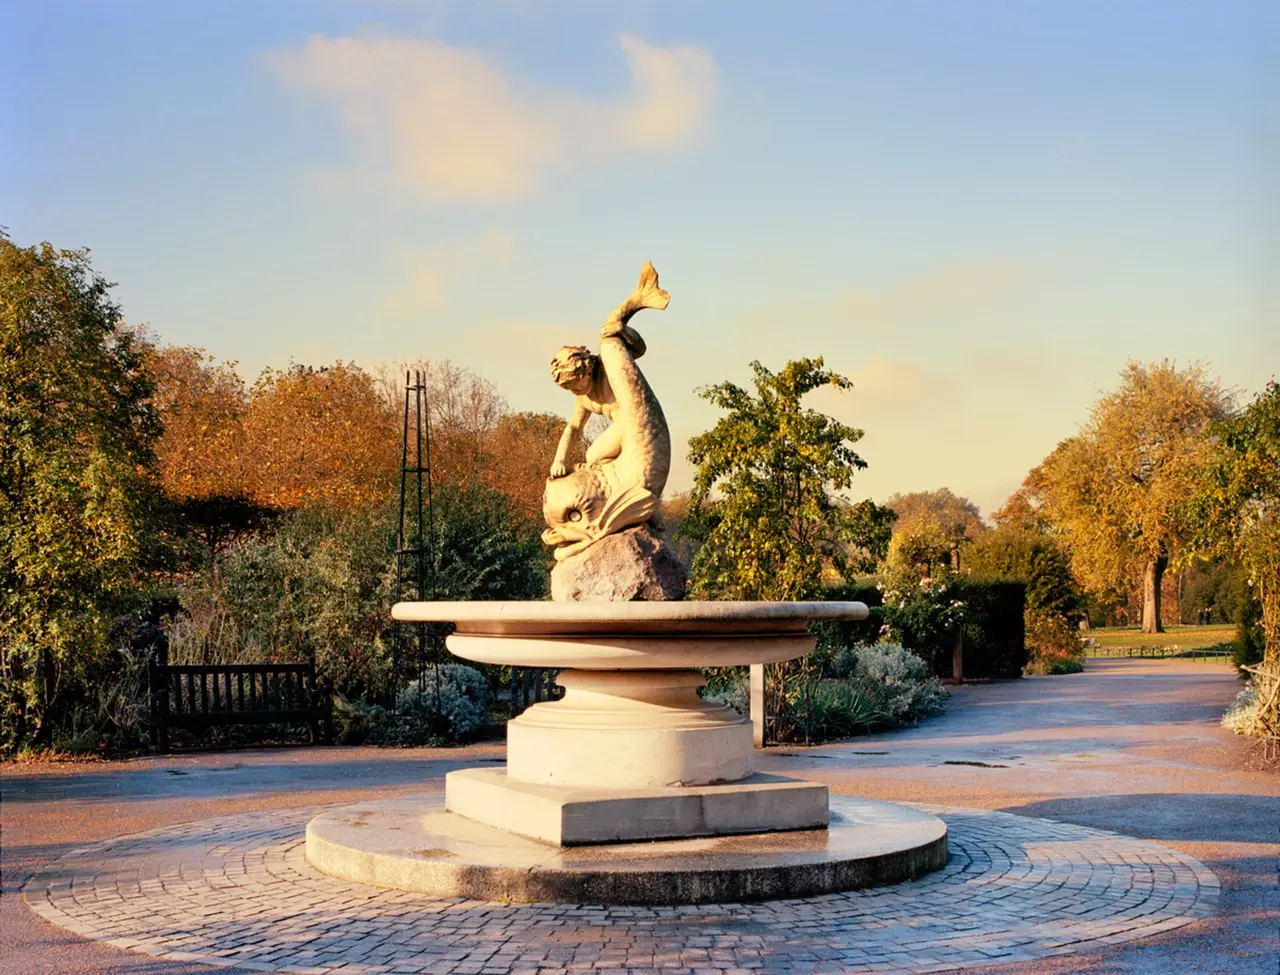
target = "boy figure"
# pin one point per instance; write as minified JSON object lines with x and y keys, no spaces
{"x":579,"y":370}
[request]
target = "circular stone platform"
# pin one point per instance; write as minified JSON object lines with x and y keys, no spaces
{"x":237,"y":891}
{"x":413,"y":844}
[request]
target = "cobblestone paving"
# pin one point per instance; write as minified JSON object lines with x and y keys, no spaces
{"x":238,"y":891}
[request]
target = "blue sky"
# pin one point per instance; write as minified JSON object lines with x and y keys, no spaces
{"x":977,"y":211}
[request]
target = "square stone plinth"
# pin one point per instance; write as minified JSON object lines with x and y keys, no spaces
{"x":574,"y":816}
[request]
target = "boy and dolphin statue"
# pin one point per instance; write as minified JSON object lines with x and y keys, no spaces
{"x":626,"y":468}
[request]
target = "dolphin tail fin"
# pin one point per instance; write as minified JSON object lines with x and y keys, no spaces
{"x":634,"y":506}
{"x":646,"y":295}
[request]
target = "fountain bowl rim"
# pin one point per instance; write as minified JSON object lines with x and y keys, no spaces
{"x":686,"y":611}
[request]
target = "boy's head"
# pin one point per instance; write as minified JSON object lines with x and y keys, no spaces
{"x":574,"y":368}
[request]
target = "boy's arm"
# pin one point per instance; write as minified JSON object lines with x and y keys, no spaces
{"x":569,"y":439}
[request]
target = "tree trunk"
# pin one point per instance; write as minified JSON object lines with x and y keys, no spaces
{"x":1270,"y":624}
{"x":1151,"y":582}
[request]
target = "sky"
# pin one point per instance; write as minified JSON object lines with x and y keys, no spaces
{"x":977,"y":211}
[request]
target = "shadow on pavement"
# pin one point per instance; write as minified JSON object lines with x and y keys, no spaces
{"x":198,"y":779}
{"x":1178,"y":817}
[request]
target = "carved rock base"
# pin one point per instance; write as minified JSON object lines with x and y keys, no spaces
{"x":633,"y":565}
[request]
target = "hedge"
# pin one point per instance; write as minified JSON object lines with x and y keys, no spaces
{"x":994,"y":636}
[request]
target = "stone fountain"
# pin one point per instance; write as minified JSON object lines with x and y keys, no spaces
{"x":630,"y":788}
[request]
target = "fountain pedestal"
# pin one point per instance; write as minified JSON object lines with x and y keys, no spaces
{"x":633,"y":788}
{"x":631,"y":752}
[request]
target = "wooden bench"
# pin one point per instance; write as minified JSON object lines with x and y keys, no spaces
{"x":199,"y":697}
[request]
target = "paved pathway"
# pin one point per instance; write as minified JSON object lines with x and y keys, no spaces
{"x":1130,"y":747}
{"x":240,"y":890}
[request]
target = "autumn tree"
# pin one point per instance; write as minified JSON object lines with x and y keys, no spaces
{"x":775,"y":526}
{"x":201,"y":404}
{"x":1119,"y":492}
{"x":1237,"y":509}
{"x":319,"y":437}
{"x":517,"y":454}
{"x":78,"y":487}
{"x":919,"y":543}
{"x":934,"y":515}
{"x":1025,"y":508}
{"x":203,"y":464}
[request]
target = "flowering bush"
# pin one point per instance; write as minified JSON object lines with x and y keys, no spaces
{"x":1056,"y":646}
{"x":919,"y":613}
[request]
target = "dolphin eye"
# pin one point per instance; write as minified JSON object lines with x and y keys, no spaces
{"x":573,"y":514}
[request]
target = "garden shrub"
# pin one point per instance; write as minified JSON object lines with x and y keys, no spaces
{"x":896,"y":683}
{"x":731,"y":689}
{"x":856,"y":690}
{"x":991,"y":615}
{"x":835,"y":634}
{"x":358,"y":723}
{"x":462,"y":712}
{"x":994,"y":628}
{"x":836,"y":709}
{"x":1250,"y":640}
{"x":319,"y":585}
{"x":1054,"y":644}
{"x":455,"y":705}
{"x":1242,"y":716}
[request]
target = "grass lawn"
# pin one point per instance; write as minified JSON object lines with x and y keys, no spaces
{"x":1182,"y":637}
{"x":1185,"y":637}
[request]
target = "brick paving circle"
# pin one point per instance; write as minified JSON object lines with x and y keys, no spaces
{"x":238,"y":892}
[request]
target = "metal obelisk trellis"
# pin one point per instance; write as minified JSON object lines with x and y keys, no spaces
{"x":417,"y":646}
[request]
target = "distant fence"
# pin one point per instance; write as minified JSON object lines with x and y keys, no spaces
{"x":1203,"y":654}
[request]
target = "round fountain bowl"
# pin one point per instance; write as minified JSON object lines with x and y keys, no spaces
{"x":630,"y":717}
{"x":629,"y":636}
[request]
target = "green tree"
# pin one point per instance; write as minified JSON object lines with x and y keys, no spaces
{"x":1237,"y":510}
{"x":1120,"y":491}
{"x":868,"y":531}
{"x":79,"y":491}
{"x":775,"y":527}
{"x":918,"y":544}
{"x":318,"y":587}
{"x":1013,"y":553}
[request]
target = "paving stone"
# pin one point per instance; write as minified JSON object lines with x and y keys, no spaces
{"x":238,"y":891}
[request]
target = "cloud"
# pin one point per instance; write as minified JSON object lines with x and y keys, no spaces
{"x":428,"y":270}
{"x":883,"y":388}
{"x":885,"y":385}
{"x":424,"y":291}
{"x":960,"y":287}
{"x":675,"y":88}
{"x":448,"y":123}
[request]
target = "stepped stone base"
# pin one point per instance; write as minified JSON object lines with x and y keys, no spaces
{"x":412,"y":843}
{"x":570,"y":816}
